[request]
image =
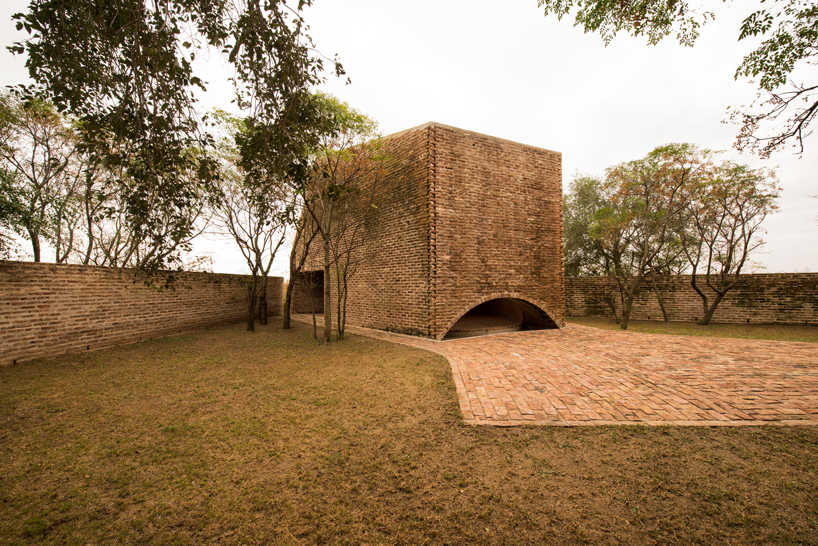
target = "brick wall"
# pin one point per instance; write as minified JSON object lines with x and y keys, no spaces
{"x":467,"y":218}
{"x":760,"y":298}
{"x":50,"y":309}
{"x":497,"y":224}
{"x":392,"y":291}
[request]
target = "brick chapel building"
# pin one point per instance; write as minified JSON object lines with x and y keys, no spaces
{"x":468,"y":239}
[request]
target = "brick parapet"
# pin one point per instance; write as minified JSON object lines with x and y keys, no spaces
{"x":51,"y":309}
{"x":761,"y":298}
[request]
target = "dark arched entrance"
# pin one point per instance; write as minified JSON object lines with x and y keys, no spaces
{"x":499,"y":316}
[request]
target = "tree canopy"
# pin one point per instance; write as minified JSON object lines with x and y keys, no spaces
{"x":338,"y":196}
{"x":677,"y":209}
{"x":785,"y":106}
{"x":124,"y":69}
{"x":255,"y":217}
{"x":55,"y":192}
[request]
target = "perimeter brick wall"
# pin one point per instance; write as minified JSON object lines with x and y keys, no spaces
{"x":51,"y":309}
{"x":765,"y":298}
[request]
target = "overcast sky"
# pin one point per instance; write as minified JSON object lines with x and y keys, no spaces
{"x":503,"y":69}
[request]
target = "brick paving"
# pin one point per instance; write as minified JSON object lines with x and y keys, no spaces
{"x":587,"y":376}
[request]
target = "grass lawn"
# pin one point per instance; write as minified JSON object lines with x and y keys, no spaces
{"x":230,"y":437}
{"x":778,"y":332}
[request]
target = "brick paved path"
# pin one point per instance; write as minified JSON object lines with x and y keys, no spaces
{"x":586,"y":376}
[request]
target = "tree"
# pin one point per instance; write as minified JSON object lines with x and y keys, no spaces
{"x":670,"y":263}
{"x":793,"y":40}
{"x":342,"y":163}
{"x":10,"y":210}
{"x":356,"y":215}
{"x":39,"y":150}
{"x":584,"y":255}
{"x":637,"y":229}
{"x":304,"y":235}
{"x":63,"y":196}
{"x":111,"y":239}
{"x":790,"y":29}
{"x":124,"y":68}
{"x":676,"y":210}
{"x":723,"y":226}
{"x":257,"y":222}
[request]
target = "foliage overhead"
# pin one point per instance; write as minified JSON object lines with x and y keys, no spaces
{"x":785,"y":107}
{"x":38,"y":153}
{"x":58,"y":193}
{"x":125,"y":70}
{"x":654,"y":19}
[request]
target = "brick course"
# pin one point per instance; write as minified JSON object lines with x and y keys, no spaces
{"x":764,"y":298}
{"x":51,"y":309}
{"x":467,"y":218}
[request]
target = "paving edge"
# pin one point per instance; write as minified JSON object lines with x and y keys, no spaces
{"x":413,"y":341}
{"x":595,"y":423}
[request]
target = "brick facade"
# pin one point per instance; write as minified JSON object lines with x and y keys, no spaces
{"x":467,"y":218}
{"x":51,"y":309}
{"x":785,"y":298}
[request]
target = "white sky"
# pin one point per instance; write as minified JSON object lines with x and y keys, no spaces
{"x":512,"y":73}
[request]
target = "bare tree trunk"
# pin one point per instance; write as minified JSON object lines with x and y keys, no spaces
{"x":631,"y":292}
{"x":296,"y":265}
{"x":89,"y":221}
{"x":262,"y":302}
{"x":311,"y":289}
{"x":659,"y":297}
{"x":251,"y":303}
{"x":327,"y":292}
{"x":701,"y":294}
{"x":340,"y":293}
{"x":626,"y":313}
{"x":288,"y":296}
{"x":35,"y":244}
{"x":710,"y":311}
{"x":314,"y":324}
{"x":343,"y":320}
{"x":611,"y":299}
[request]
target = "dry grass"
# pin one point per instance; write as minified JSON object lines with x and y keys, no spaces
{"x":269,"y":438}
{"x":778,"y":332}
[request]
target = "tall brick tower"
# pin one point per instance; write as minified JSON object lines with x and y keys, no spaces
{"x":468,"y":239}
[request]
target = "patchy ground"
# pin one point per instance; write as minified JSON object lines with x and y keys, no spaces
{"x":777,"y":332}
{"x":232,"y":437}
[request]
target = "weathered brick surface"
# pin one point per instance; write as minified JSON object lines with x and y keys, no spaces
{"x":466,"y":218}
{"x":50,"y":309}
{"x":497,"y":209}
{"x":787,"y":298}
{"x":391,"y":291}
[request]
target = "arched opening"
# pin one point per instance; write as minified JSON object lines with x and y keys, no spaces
{"x":500,"y":316}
